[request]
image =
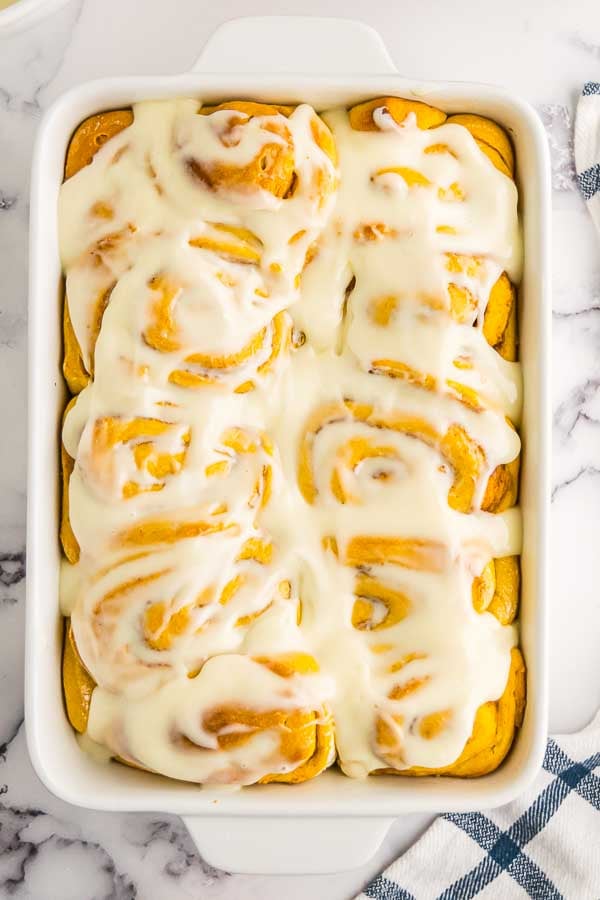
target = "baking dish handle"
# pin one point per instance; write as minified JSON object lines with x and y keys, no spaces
{"x":291,"y":44}
{"x":286,"y":845}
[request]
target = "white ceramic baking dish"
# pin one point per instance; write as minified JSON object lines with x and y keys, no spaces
{"x":333,"y":822}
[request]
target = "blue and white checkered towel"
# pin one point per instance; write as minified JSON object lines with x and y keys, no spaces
{"x":587,"y":147}
{"x":545,"y":845}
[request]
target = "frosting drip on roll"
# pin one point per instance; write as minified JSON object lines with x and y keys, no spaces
{"x":292,"y":457}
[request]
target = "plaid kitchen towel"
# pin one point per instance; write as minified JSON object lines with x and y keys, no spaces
{"x":545,"y":845}
{"x":587,"y":147}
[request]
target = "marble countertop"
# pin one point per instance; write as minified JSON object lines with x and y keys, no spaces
{"x":544,"y":51}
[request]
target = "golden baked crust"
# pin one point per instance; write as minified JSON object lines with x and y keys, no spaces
{"x":361,"y":115}
{"x":89,"y":137}
{"x":78,"y":684}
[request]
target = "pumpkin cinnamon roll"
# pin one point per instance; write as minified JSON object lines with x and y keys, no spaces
{"x":130,"y":470}
{"x":290,"y":459}
{"x":174,"y":594}
{"x":433,"y":192}
{"x":229,"y":172}
{"x":278,"y":728}
{"x":275,"y":167}
{"x":350,"y":450}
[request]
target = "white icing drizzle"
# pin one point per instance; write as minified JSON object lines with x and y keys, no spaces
{"x":170,"y":628}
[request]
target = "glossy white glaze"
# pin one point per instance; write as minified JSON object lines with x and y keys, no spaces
{"x":258,"y":445}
